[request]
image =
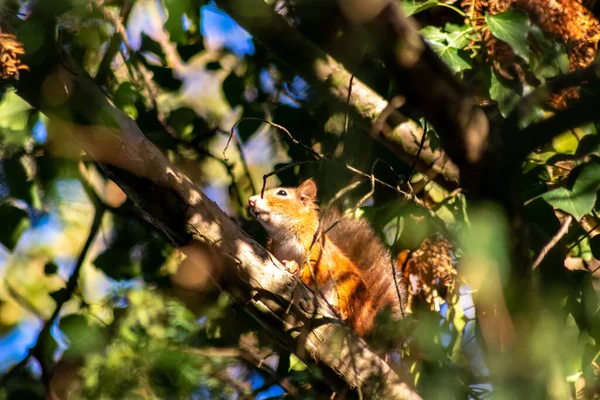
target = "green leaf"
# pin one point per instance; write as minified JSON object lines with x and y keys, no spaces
{"x":513,"y":28}
{"x":117,"y":264}
{"x":19,"y":185}
{"x":14,"y":222}
{"x":433,"y":34}
{"x":83,"y":337}
{"x":125,"y":98}
{"x":414,"y":7}
{"x":459,"y":35}
{"x":14,"y":114}
{"x":580,"y":200}
{"x":457,"y":60}
{"x":445,"y":46}
{"x":565,"y":143}
{"x":296,"y":364}
{"x":174,"y":24}
{"x":506,"y":97}
{"x":233,"y":88}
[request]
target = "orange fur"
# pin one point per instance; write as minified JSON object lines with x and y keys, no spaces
{"x":291,"y":218}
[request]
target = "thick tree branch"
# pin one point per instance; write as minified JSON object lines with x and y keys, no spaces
{"x":172,"y":203}
{"x":423,"y":78}
{"x":399,"y":134}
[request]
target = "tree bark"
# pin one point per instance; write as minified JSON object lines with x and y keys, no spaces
{"x":291,"y":312}
{"x":401,"y":135}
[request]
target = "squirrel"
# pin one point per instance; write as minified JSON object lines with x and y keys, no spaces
{"x":349,"y":265}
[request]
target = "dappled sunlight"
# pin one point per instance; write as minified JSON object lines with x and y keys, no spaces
{"x":266,"y":199}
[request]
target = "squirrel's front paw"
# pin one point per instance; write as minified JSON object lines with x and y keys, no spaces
{"x":292,"y":266}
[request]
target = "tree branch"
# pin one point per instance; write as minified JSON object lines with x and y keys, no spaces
{"x":399,"y":134}
{"x":174,"y":205}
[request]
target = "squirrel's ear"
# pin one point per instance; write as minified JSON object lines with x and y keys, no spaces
{"x":307,"y":190}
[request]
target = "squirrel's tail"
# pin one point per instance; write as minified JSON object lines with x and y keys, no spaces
{"x":381,"y":272}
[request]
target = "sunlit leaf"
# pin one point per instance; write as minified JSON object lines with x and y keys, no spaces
{"x":459,"y":35}
{"x":14,"y":114}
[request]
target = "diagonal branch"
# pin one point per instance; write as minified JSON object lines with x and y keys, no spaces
{"x":175,"y":206}
{"x":399,"y":134}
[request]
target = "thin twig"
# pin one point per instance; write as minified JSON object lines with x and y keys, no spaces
{"x":273,"y":124}
{"x":414,"y":166}
{"x":555,"y":239}
{"x":342,"y":141}
{"x":346,"y":117}
{"x":115,"y":42}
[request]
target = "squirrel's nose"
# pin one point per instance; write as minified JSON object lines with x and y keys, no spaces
{"x":252,"y":201}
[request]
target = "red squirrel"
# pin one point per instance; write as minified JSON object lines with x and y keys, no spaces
{"x":349,"y":265}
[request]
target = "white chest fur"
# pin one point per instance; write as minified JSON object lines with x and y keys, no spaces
{"x":289,"y":249}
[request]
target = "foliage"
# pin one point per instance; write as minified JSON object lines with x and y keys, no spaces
{"x":144,"y":324}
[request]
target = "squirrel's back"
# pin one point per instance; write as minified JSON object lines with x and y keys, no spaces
{"x":357,"y":239}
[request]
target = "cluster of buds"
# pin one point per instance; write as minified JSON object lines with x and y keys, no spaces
{"x":10,"y":62}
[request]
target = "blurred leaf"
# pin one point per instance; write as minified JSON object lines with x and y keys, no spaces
{"x":187,"y":51}
{"x":149,"y":45}
{"x":246,"y":128}
{"x":502,"y":93}
{"x":173,"y":370}
{"x":155,"y":253}
{"x":19,"y":186}
{"x":579,"y":200}
{"x":125,"y":98}
{"x":14,"y":222}
{"x":163,"y":76}
{"x":23,"y":387}
{"x":117,"y":264}
{"x":512,"y":27}
{"x":51,"y":169}
{"x":14,"y":115}
{"x":565,"y":143}
{"x":176,"y":9}
{"x":233,"y":88}
{"x":83,"y":337}
{"x":296,"y":364}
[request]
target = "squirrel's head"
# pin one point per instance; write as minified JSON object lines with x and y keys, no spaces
{"x":285,"y":210}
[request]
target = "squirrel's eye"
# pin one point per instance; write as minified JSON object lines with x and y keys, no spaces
{"x":282,"y":193}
